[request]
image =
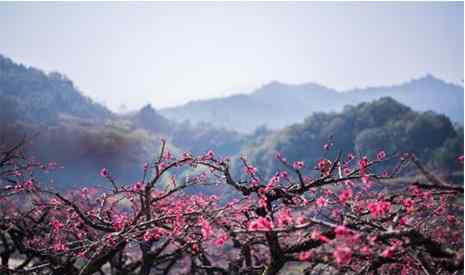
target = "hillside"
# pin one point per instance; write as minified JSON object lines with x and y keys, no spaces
{"x":364,"y":129}
{"x":83,"y":136}
{"x":29,"y":94}
{"x":277,"y":105}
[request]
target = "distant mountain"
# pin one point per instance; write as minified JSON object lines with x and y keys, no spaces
{"x":277,"y":105}
{"x":423,"y":94}
{"x":148,"y":118}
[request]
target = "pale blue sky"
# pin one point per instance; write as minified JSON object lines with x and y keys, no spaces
{"x":168,"y":53}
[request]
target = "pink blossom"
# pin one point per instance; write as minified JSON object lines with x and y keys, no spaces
{"x":168,"y":156}
{"x":349,"y":183}
{"x":153,"y":234}
{"x":104,"y":173}
{"x":451,"y":219}
{"x":321,"y":201}
{"x":404,"y":221}
{"x":205,"y":228}
{"x":343,"y":255}
{"x":119,"y":222}
{"x":138,"y":186}
{"x":408,"y":203}
{"x":388,"y":252}
{"x":347,"y":171}
{"x":273,"y":181}
{"x":221,"y":240}
{"x":209,"y":155}
{"x":263,"y":202}
{"x":298,"y":165}
{"x":363,"y":165}
{"x":372,"y":239}
{"x":255,"y":182}
{"x":284,"y":175}
{"x":284,"y":217}
{"x":381,"y":155}
{"x":261,"y":224}
{"x":341,"y":230}
{"x":379,"y":208}
{"x":56,"y":225}
{"x":281,"y":158}
{"x":60,"y":247}
{"x":350,"y":156}
{"x":300,"y":219}
{"x":305,"y":256}
{"x":250,"y":170}
{"x":186,"y":155}
{"x":345,"y":195}
{"x":366,"y":250}
{"x":29,"y":185}
{"x":316,"y":235}
{"x":416,"y":191}
{"x":162,"y":166}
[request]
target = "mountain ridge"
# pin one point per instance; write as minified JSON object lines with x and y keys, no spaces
{"x":277,"y":104}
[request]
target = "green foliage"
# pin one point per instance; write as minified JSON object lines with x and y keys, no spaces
{"x":364,"y":129}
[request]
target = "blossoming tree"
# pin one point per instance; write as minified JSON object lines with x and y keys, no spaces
{"x":336,"y":216}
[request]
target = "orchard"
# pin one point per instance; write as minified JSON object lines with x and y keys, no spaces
{"x":338,"y":216}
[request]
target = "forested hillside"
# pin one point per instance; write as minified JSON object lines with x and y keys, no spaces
{"x":364,"y":129}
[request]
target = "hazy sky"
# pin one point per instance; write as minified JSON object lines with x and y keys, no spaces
{"x":168,"y":53}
